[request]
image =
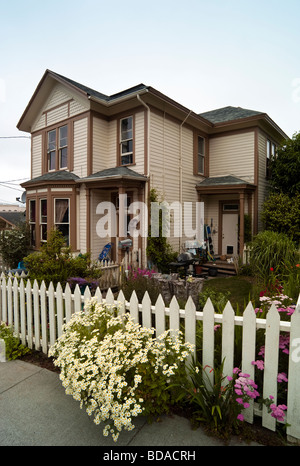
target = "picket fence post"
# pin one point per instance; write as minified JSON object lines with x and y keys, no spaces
{"x":293,"y":399}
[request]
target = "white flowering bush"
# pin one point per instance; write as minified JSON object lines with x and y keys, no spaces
{"x":116,"y":368}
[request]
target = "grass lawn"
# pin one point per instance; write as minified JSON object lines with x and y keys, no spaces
{"x":242,"y":289}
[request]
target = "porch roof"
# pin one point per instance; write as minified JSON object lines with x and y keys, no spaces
{"x":114,"y":173}
{"x":226,"y":184}
{"x":52,"y":177}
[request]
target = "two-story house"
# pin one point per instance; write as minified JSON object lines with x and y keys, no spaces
{"x":89,"y":149}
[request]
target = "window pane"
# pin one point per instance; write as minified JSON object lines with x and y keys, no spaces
{"x":32,"y":216}
{"x":63,"y":136}
{"x":127,"y":147}
{"x":200,"y":164}
{"x":61,"y":211}
{"x":32,"y":235}
{"x":63,"y":159}
{"x":51,"y":160}
{"x":126,"y":128}
{"x":43,"y":211}
{"x":126,"y":159}
{"x":44,"y":232}
{"x":200,"y":146}
{"x":51,"y":140}
{"x":64,"y":228}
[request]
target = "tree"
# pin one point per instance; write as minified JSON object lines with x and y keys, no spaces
{"x":285,"y":167}
{"x":14,"y":245}
{"x":281,"y":213}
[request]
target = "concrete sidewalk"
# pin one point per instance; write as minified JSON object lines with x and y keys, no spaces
{"x":35,"y":411}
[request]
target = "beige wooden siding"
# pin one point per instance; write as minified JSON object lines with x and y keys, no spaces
{"x":82,"y":220}
{"x":262,"y":181}
{"x":80,"y":147}
{"x":139,"y":143}
{"x":100,"y":145}
{"x":166,"y":148}
{"x":36,"y":160}
{"x":61,"y":104}
{"x":232,"y":155}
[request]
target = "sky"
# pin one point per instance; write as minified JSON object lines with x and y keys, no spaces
{"x":203,"y":54}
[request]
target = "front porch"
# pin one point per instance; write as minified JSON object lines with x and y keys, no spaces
{"x":111,"y":202}
{"x":227,"y":201}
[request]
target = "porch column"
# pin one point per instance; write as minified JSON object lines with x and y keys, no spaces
{"x":122,"y":221}
{"x":242,"y":223}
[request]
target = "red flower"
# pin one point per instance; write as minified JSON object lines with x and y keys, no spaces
{"x":271,"y":268}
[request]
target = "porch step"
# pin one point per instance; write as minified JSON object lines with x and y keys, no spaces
{"x":223,"y":267}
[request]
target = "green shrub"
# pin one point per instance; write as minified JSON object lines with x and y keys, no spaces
{"x":56,"y":263}
{"x":116,"y":368}
{"x":13,"y":347}
{"x":270,"y":253}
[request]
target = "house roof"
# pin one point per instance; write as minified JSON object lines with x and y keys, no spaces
{"x":99,"y":95}
{"x":13,"y":217}
{"x":117,"y":172}
{"x":61,"y":175}
{"x":221,"y":115}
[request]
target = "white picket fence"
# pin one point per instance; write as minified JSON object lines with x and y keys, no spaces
{"x":37,"y":316}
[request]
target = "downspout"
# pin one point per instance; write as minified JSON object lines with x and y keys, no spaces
{"x":180,"y":175}
{"x":148,"y":133}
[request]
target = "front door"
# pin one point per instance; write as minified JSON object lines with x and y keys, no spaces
{"x":230,"y":233}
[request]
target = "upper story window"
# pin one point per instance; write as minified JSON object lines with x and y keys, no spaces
{"x":271,"y":151}
{"x":57,"y":148}
{"x":201,"y":155}
{"x":126,"y":140}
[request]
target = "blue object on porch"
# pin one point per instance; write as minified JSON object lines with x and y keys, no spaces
{"x":105,"y":251}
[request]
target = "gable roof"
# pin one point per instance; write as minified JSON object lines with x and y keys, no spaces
{"x":221,"y":115}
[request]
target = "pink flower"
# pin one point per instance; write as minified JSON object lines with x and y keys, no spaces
{"x":238,"y":392}
{"x":246,"y":405}
{"x":229,"y":378}
{"x":239,"y":401}
{"x":240,"y":417}
{"x":281,"y":377}
{"x":259,"y":364}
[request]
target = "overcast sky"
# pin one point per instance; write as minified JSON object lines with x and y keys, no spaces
{"x":203,"y":54}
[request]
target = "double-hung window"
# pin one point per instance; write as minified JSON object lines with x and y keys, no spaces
{"x":62,"y":217}
{"x":126,"y":140}
{"x":57,"y":148}
{"x":51,"y":150}
{"x":200,"y":155}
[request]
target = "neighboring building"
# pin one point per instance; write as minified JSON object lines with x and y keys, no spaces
{"x":9,"y":219}
{"x":89,"y":148}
